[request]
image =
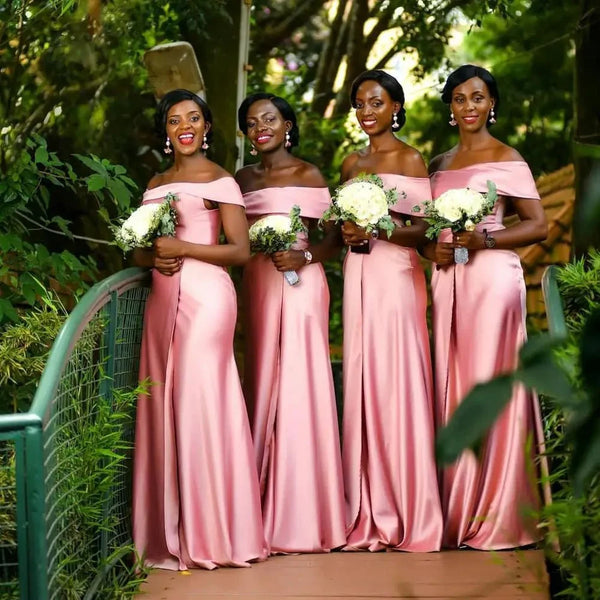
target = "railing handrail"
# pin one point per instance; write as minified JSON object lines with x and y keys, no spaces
{"x":18,"y":421}
{"x":557,"y":324}
{"x":84,"y":311}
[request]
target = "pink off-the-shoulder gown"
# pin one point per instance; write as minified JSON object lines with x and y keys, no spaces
{"x":289,"y":390}
{"x":195,"y":497}
{"x":479,"y":326}
{"x":390,"y":477}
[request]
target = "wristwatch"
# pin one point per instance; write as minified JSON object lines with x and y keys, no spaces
{"x":375,"y":233}
{"x":307,"y":257}
{"x":489,"y":241}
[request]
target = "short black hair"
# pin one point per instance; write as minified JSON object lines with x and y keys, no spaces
{"x":174,"y":97}
{"x":282,"y":105}
{"x":465,"y":73}
{"x":389,"y":83}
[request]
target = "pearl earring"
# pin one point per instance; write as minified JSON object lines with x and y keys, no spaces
{"x":287,"y":139}
{"x":452,"y":120}
{"x":167,"y":149}
{"x":492,"y":116}
{"x":395,"y":124}
{"x":253,"y":150}
{"x":204,"y":143}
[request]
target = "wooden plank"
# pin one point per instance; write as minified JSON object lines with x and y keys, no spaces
{"x":364,"y":576}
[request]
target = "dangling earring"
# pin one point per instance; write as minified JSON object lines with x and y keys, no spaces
{"x":452,"y":120}
{"x":167,"y":149}
{"x":204,"y":143}
{"x":253,"y":150}
{"x":492,"y":116}
{"x":287,"y":140}
{"x":395,"y":124}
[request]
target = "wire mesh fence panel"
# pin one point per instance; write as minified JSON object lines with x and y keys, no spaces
{"x":9,"y":565}
{"x":88,"y":442}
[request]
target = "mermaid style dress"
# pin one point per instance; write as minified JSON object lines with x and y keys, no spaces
{"x":289,"y":389}
{"x":392,"y":497}
{"x":479,"y":326}
{"x":196,"y":500}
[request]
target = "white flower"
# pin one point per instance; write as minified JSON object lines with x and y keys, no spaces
{"x":279,"y":223}
{"x":469,"y":225}
{"x":141,"y":221}
{"x":365,"y":201}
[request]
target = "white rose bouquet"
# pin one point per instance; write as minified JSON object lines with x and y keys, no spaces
{"x":276,"y":233}
{"x":147,"y":223}
{"x":364,"y":201}
{"x":458,"y":210}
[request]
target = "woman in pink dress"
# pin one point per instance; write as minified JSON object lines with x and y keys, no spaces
{"x":195,"y":498}
{"x":392,"y":498}
{"x":287,"y":376}
{"x":479,"y":323}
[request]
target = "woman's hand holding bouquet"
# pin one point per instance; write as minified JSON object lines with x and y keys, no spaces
{"x":362,"y":204}
{"x":275,"y":234}
{"x":458,"y":210}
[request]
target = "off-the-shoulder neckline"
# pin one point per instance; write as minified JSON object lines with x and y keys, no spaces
{"x":288,"y":187}
{"x":188,"y":183}
{"x":487,"y":163}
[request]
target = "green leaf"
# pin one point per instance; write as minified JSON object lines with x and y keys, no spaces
{"x":96,"y":182}
{"x":537,"y":346}
{"x":120,"y":192}
{"x":546,"y":377}
{"x":41,"y":155}
{"x":473,"y":417}
{"x":7,"y":311}
{"x":92,"y":163}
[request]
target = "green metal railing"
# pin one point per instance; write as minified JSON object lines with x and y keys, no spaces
{"x":554,"y":306}
{"x":75,"y":442}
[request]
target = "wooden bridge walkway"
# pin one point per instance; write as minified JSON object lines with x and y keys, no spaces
{"x":448,"y":575}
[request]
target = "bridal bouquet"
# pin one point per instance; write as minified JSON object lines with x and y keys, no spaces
{"x":275,"y":233}
{"x":146,"y":223}
{"x":458,"y":210}
{"x":364,"y":201}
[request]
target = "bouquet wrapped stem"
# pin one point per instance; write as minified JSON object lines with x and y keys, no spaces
{"x":147,"y":223}
{"x":458,"y":210}
{"x":276,"y":233}
{"x":364,"y":201}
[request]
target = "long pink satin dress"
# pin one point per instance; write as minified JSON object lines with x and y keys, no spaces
{"x":390,"y":477}
{"x":196,"y":500}
{"x":479,"y":325}
{"x":289,"y":389}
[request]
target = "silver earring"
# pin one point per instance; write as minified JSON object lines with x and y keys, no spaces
{"x":452,"y":120}
{"x":395,"y":124}
{"x":167,"y":149}
{"x":492,"y":116}
{"x":253,"y":150}
{"x":204,"y":143}
{"x":287,"y":139}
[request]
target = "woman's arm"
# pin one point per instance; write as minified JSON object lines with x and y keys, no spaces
{"x":235,"y":252}
{"x":532,"y":228}
{"x":146,"y":257}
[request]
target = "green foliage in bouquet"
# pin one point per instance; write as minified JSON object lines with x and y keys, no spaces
{"x":364,"y":201}
{"x":276,"y":233}
{"x":147,"y":223}
{"x":457,"y":209}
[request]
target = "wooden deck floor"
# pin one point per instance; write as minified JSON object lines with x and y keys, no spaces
{"x":445,"y":575}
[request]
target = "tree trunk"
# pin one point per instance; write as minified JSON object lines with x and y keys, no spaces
{"x":587,"y":121}
{"x":218,"y":62}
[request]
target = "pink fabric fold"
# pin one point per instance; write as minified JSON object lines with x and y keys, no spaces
{"x":313,"y":202}
{"x":392,"y":498}
{"x":412,"y":192}
{"x":224,"y":190}
{"x":479,"y":325}
{"x":195,"y":491}
{"x":289,"y":390}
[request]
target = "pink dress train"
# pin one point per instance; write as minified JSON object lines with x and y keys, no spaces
{"x":195,"y":498}
{"x":289,"y":390}
{"x":392,"y":498}
{"x":479,"y":325}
